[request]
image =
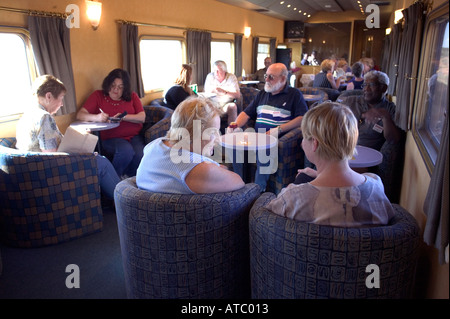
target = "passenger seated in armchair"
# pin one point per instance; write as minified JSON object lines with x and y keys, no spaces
{"x":123,"y":144}
{"x":37,"y":130}
{"x":225,"y":85}
{"x":277,"y":109}
{"x":374,"y":112}
{"x":337,"y":195}
{"x":177,"y":164}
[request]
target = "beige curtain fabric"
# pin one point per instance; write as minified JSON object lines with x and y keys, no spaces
{"x":50,"y":39}
{"x":131,"y":57}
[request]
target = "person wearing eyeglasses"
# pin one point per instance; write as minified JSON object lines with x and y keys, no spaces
{"x":276,"y":110}
{"x":123,"y":144}
{"x":375,"y":113}
{"x":37,"y":130}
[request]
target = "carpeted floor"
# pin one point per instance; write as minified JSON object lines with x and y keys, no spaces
{"x":40,"y":273}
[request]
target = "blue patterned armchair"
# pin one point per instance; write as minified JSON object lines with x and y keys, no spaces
{"x":290,"y":158}
{"x":184,"y":246}
{"x":47,"y":198}
{"x":157,"y":121}
{"x":296,"y":260}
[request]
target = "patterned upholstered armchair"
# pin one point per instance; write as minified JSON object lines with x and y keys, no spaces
{"x":332,"y":93}
{"x":247,"y":95}
{"x":47,"y":198}
{"x":157,"y":121}
{"x":184,"y":246}
{"x":296,"y":260}
{"x":314,"y":91}
{"x":290,"y":159}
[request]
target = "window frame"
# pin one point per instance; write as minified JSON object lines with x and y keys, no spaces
{"x":231,"y":67}
{"x":166,"y":38}
{"x":24,"y":34}
{"x":428,"y":148}
{"x":257,"y":54}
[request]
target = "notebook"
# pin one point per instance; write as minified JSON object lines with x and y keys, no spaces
{"x":75,"y":141}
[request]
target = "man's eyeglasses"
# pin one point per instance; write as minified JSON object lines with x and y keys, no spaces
{"x":371,"y":85}
{"x":271,"y":77}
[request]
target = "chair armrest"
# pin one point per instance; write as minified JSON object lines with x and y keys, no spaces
{"x":46,"y":169}
{"x":153,"y":114}
{"x":263,"y":200}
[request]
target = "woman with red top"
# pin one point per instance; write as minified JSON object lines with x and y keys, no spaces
{"x":123,"y":144}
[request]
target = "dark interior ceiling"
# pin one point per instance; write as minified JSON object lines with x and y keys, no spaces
{"x":302,"y":10}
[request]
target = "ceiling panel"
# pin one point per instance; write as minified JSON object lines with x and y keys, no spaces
{"x":302,"y":10}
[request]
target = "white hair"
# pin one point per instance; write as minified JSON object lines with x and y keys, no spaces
{"x":381,"y":77}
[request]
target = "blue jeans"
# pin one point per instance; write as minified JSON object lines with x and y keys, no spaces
{"x":107,"y":176}
{"x":126,"y":156}
{"x":263,"y":170}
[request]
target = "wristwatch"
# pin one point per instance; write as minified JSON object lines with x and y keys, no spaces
{"x":279,"y":129}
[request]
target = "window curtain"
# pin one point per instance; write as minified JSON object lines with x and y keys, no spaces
{"x":255,"y":43}
{"x":50,"y":39}
{"x":131,"y":57}
{"x":392,"y":61}
{"x":238,"y":55}
{"x":273,"y":49}
{"x":386,"y":51}
{"x":436,"y":202}
{"x":408,"y":63}
{"x":199,"y":55}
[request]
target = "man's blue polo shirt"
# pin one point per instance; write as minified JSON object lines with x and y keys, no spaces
{"x":269,"y":111}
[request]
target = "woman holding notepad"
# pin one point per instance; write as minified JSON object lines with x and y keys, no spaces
{"x":37,"y":130}
{"x":122,"y":144}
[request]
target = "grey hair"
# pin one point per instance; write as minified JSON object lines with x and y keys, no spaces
{"x":381,"y":77}
{"x":222,"y":65}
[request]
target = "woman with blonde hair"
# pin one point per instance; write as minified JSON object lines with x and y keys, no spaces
{"x":181,"y":90}
{"x":179,"y":163}
{"x":325,"y":78}
{"x":337,"y":195}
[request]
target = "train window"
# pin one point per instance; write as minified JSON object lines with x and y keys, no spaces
{"x":263,"y":52}
{"x":222,"y":50}
{"x":18,"y":71}
{"x":432,"y":96}
{"x":160,"y":62}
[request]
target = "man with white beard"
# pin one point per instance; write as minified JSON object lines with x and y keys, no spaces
{"x":276,"y":110}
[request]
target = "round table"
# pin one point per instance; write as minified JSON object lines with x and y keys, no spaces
{"x":245,"y":142}
{"x":365,"y":157}
{"x":248,"y":141}
{"x":94,"y":126}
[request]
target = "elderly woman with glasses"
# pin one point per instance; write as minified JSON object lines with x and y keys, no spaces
{"x":37,"y":130}
{"x":123,"y":144}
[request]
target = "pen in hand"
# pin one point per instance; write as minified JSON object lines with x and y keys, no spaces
{"x":102,"y":112}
